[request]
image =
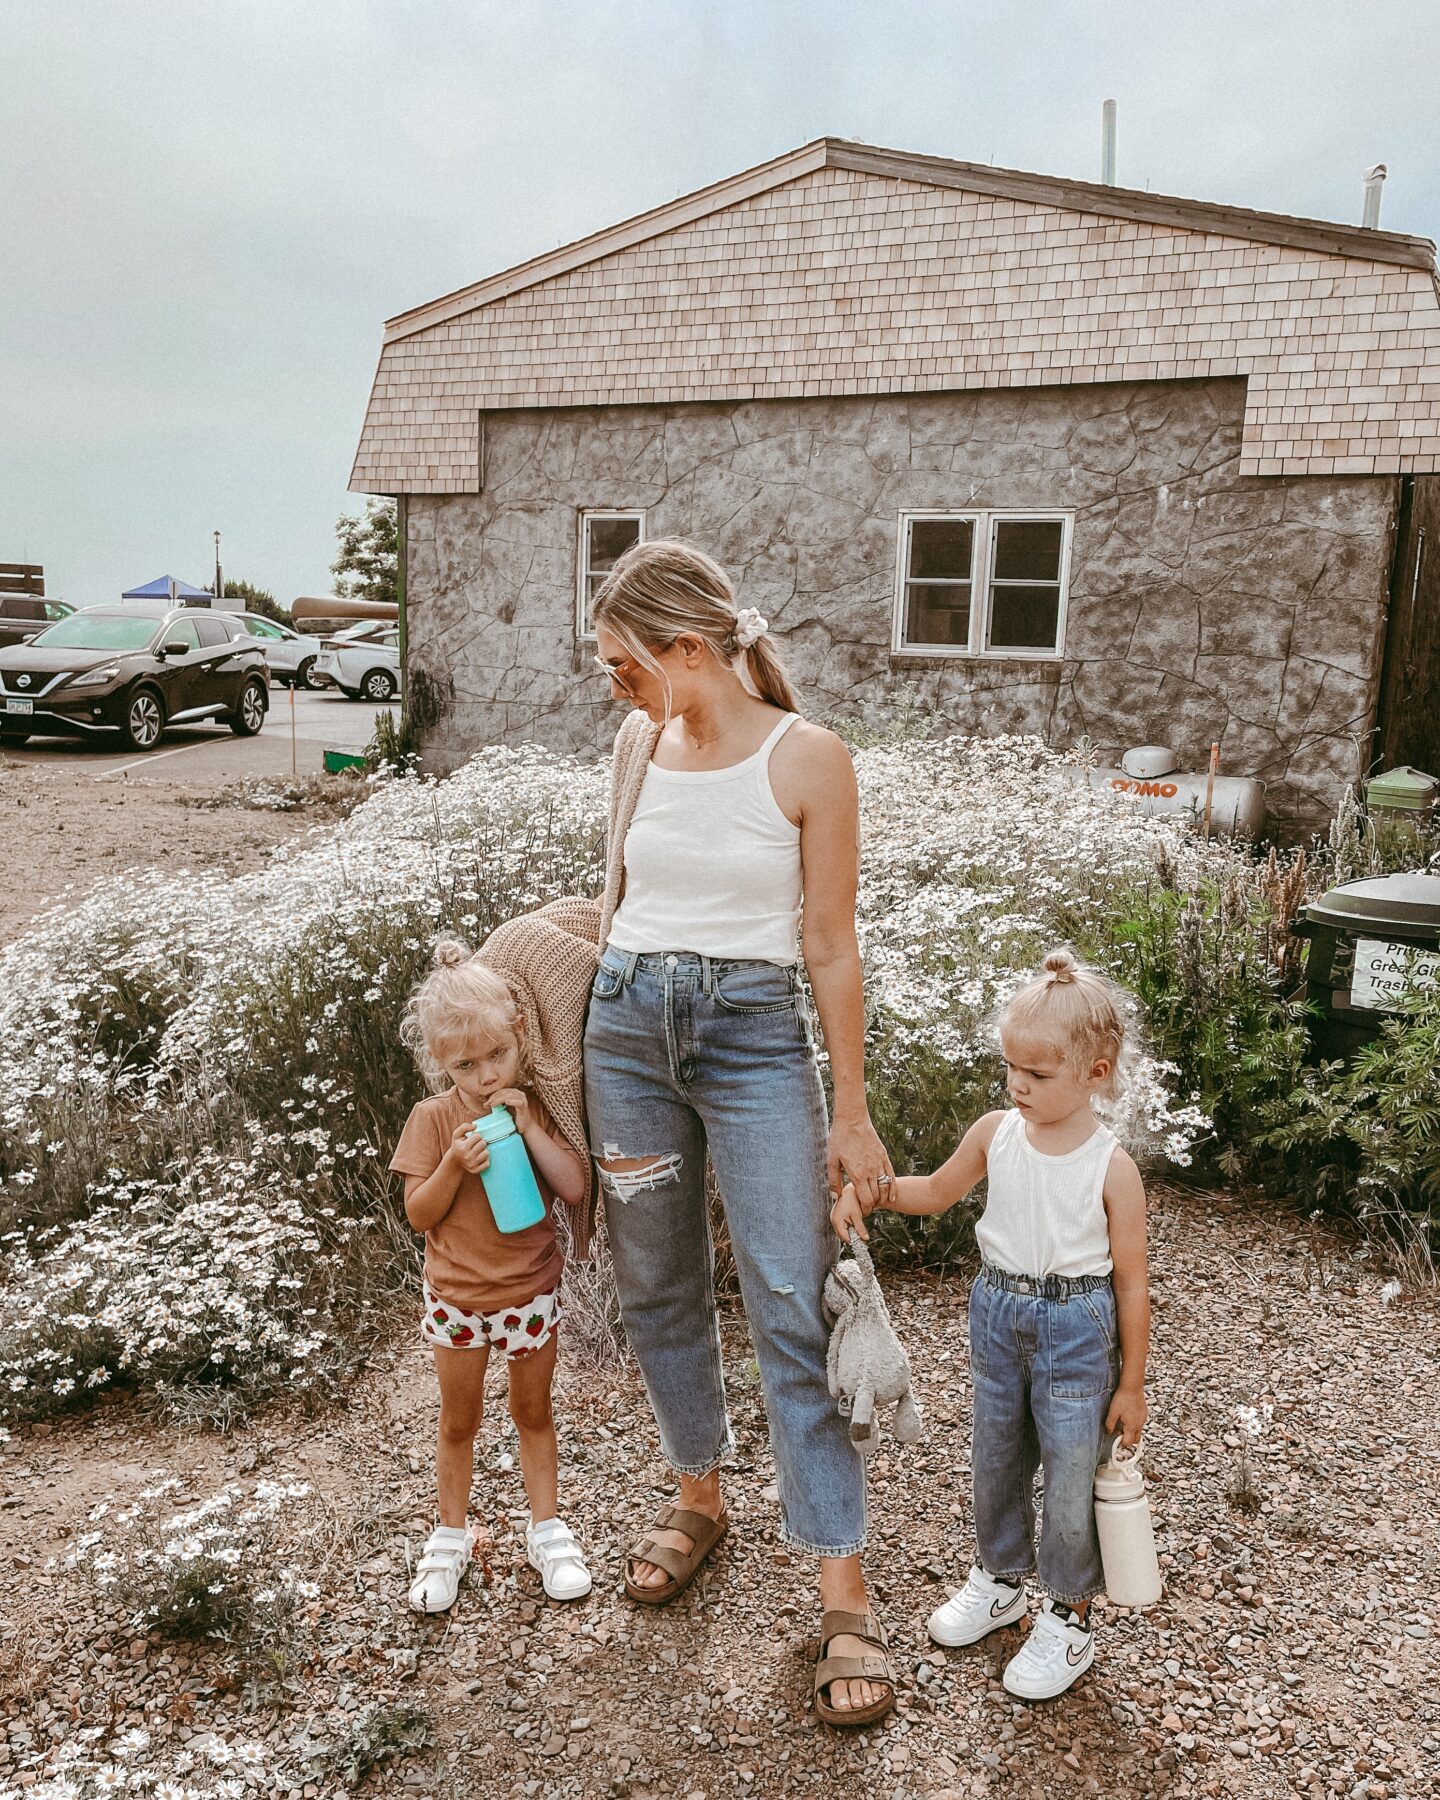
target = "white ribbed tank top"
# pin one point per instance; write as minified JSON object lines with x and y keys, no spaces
{"x":712,"y":864}
{"x":1045,"y":1215}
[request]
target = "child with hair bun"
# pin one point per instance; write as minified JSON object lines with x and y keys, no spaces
{"x":1059,"y":1316}
{"x":485,"y":1290}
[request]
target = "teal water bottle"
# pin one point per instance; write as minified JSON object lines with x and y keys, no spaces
{"x":510,"y":1183}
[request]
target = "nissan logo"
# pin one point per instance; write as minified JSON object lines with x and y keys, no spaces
{"x":22,"y":681}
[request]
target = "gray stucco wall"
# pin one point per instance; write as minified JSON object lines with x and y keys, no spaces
{"x":1202,"y":607}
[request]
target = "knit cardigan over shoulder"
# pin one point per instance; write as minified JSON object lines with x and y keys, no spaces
{"x":634,"y":746}
{"x":549,"y":957}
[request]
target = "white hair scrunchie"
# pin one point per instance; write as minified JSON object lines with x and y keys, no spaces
{"x":749,"y":626}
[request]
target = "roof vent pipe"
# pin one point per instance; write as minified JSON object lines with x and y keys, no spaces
{"x":1107,"y":144}
{"x":1374,"y":181}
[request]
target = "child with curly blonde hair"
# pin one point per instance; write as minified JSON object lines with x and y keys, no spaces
{"x":484,"y":1290}
{"x":1059,"y":1316}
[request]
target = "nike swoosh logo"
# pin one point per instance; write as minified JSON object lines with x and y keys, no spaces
{"x":999,"y":1606}
{"x":1071,"y":1657}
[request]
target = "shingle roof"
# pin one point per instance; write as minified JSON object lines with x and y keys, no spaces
{"x":843,"y":268}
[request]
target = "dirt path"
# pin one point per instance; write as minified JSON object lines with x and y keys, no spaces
{"x":1294,"y":1653}
{"x":62,"y":826}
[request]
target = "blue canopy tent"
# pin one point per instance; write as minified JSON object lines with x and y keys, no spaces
{"x":166,"y":587}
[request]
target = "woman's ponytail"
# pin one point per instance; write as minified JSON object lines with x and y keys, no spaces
{"x":768,"y":677}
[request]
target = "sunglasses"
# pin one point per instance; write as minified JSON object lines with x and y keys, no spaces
{"x":614,"y":671}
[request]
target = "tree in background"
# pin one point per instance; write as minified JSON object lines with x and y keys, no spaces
{"x":365,"y":560}
{"x":258,"y":600}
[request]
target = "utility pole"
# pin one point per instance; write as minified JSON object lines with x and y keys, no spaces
{"x":219,"y":584}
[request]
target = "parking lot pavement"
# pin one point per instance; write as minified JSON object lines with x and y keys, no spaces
{"x":211,"y":755}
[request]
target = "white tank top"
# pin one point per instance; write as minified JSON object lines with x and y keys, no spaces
{"x":1045,"y":1215}
{"x":712,"y":864}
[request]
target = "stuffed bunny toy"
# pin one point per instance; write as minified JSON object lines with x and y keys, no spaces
{"x":866,"y":1362}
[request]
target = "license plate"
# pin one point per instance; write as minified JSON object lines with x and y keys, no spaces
{"x":19,"y":706}
{"x":1385,"y":972}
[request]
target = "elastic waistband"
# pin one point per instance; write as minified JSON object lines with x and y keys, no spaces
{"x":1043,"y":1287}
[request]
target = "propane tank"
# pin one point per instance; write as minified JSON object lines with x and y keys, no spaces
{"x":1149,"y":778}
{"x":1127,"y":1537}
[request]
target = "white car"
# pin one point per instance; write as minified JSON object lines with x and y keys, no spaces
{"x":363,"y":667}
{"x":290,"y":655}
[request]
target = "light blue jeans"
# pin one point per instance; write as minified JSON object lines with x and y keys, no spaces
{"x":1044,"y":1362}
{"x":685,"y":1053}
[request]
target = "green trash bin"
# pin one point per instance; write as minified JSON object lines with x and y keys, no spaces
{"x":1370,"y":942}
{"x":1402,"y":790}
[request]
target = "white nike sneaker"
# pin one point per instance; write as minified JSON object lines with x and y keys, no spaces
{"x":443,"y":1561}
{"x":1058,"y":1651}
{"x":983,"y":1605}
{"x":551,"y":1548}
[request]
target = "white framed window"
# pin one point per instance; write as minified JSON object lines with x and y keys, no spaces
{"x":604,"y":539}
{"x":982,"y":583}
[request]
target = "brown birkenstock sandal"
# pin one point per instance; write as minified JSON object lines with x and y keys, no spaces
{"x":878,"y":1668}
{"x":682,"y":1566}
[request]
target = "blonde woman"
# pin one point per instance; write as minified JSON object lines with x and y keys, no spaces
{"x":731,"y":818}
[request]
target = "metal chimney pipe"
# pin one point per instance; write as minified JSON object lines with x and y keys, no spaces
{"x":1374,"y":181}
{"x":1107,"y":144}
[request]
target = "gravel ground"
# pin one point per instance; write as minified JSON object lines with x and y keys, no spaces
{"x":65,"y":828}
{"x":1293,"y":1654}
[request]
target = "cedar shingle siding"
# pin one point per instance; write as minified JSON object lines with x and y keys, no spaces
{"x":785,"y":367}
{"x":832,"y":280}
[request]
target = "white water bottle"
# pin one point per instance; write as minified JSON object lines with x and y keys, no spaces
{"x":1127,"y":1537}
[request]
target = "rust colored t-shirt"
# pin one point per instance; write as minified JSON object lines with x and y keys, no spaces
{"x":469,"y":1261}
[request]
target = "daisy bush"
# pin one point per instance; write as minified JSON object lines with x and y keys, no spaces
{"x":201,"y":1081}
{"x":201,"y":1078}
{"x":94,"y":1761}
{"x":208,"y":1570}
{"x":981,"y":855}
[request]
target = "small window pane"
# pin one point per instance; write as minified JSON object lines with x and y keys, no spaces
{"x":1027,"y":549}
{"x":183,"y":631}
{"x":604,"y":541}
{"x":212,"y":632}
{"x":610,"y":539}
{"x":1024,"y":617}
{"x":941,"y":549}
{"x":938,"y":613}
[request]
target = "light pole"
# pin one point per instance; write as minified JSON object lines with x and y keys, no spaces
{"x":219,"y":584}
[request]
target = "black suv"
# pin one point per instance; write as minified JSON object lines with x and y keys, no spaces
{"x":22,"y":615}
{"x":132,"y":670}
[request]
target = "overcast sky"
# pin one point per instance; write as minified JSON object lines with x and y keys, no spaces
{"x":207,"y":209}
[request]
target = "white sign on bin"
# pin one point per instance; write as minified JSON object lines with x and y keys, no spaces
{"x":1384,"y":972}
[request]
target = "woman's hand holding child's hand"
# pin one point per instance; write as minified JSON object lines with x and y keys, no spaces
{"x":470,"y":1149}
{"x":847,"y":1214}
{"x":1128,"y":1413}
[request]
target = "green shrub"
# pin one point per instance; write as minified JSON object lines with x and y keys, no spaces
{"x":383,"y":1733}
{"x":1367,"y":1136}
{"x":393,"y":745}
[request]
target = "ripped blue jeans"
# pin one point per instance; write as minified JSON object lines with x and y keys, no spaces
{"x":685,"y":1053}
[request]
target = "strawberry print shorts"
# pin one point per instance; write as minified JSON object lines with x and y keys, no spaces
{"x":514,"y":1330}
